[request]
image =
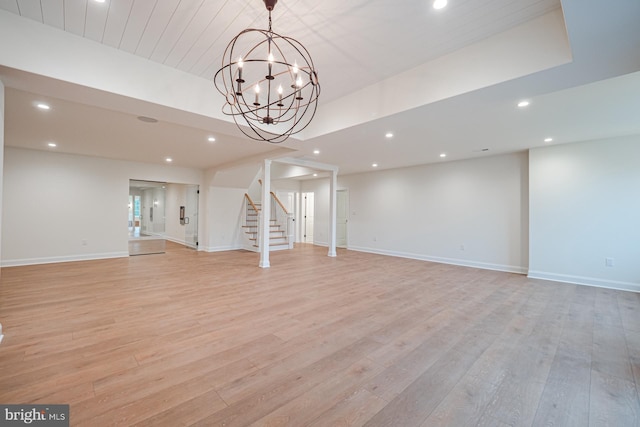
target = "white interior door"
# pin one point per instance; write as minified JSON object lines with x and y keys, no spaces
{"x":308,"y":207}
{"x":342,"y":207}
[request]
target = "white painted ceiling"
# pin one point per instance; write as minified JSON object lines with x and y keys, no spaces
{"x":355,"y":44}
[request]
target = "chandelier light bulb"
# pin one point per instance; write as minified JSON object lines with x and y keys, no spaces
{"x":295,"y":68}
{"x":257,"y":101}
{"x":239,"y":80}
{"x":280,"y":91}
{"x":270,"y":61}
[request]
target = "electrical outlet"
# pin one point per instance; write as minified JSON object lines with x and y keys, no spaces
{"x":462,"y":247}
{"x":609,"y":262}
{"x":84,"y":242}
{"x":375,"y":239}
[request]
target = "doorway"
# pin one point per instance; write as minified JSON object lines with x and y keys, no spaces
{"x":307,"y":203}
{"x":342,"y":215}
{"x":146,"y":222}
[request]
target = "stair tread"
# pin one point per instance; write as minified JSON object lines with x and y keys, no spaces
{"x":277,"y":232}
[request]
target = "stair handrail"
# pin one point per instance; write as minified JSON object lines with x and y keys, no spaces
{"x":276,"y":199}
{"x":253,"y":205}
{"x":279,"y":202}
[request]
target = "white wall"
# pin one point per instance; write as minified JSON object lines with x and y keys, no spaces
{"x":585,"y":207}
{"x":54,"y":202}
{"x":226,"y":212}
{"x":1,"y":159}
{"x":1,"y":168}
{"x":225,"y":190}
{"x":285,"y":185}
{"x":431,"y":212}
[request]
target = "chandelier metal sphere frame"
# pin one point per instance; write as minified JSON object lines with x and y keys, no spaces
{"x":269,"y":82}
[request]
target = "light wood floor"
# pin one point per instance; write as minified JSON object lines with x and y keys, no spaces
{"x":188,"y":338}
{"x":146,"y":246}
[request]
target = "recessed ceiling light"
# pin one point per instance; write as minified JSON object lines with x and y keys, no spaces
{"x":168,"y":160}
{"x":548,"y":140}
{"x":439,"y":4}
{"x":523,"y":104}
{"x":52,"y":144}
{"x":315,"y":174}
{"x":389,"y":135}
{"x":443,"y":155}
{"x":43,"y":106}
{"x":316,"y":151}
{"x":375,"y":165}
{"x":211,"y":139}
{"x":100,"y":1}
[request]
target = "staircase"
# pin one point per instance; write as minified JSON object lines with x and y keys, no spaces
{"x":278,"y":239}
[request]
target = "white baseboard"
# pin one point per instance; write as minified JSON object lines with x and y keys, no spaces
{"x":182,"y":242}
{"x":223,"y":248}
{"x":57,"y":259}
{"x":174,"y":240}
{"x":441,"y":260}
{"x":585,"y":281}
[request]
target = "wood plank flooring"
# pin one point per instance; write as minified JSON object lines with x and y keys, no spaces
{"x":194,"y":339}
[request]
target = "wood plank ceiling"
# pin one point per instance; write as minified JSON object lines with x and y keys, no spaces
{"x":354,"y":43}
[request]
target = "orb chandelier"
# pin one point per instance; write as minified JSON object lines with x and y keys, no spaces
{"x":269,"y":82}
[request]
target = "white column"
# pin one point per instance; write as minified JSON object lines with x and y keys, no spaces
{"x":266,"y":215}
{"x":333,"y":212}
{"x":206,"y":220}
